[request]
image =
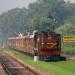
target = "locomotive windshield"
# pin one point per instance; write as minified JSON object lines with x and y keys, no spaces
{"x":50,"y":41}
{"x":53,"y":42}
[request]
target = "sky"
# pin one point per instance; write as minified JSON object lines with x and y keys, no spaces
{"x":73,"y":1}
{"x":10,"y":4}
{"x":5,"y":5}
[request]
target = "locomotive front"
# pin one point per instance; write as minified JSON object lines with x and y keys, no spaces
{"x":47,"y":45}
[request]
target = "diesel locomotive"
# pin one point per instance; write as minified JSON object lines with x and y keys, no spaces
{"x":45,"y":45}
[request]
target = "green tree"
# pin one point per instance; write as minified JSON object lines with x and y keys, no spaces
{"x":44,"y":24}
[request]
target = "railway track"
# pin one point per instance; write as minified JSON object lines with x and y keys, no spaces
{"x":2,"y":70}
{"x":12,"y":67}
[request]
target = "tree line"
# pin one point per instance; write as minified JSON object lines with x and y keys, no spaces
{"x":44,"y":15}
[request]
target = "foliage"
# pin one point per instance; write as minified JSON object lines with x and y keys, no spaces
{"x":41,"y":15}
{"x":71,"y":19}
{"x":67,"y":29}
{"x":19,"y":19}
{"x":44,"y":24}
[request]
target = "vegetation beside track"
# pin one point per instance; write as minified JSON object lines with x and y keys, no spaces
{"x":53,"y":68}
{"x":69,"y":50}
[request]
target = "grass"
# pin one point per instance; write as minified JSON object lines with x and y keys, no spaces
{"x":69,"y":50}
{"x":54,"y":68}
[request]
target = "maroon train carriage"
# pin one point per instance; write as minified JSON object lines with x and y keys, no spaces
{"x":45,"y":45}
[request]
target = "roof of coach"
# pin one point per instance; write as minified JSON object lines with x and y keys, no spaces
{"x":22,"y":37}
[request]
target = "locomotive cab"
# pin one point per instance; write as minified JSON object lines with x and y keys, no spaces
{"x":49,"y":46}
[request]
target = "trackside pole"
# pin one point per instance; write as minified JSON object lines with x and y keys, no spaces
{"x":36,"y":57}
{"x":2,"y":44}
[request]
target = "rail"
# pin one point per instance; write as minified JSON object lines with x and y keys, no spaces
{"x":6,"y":69}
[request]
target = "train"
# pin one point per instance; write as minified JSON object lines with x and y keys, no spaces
{"x":45,"y":45}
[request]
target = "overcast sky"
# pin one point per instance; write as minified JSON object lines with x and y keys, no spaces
{"x":9,"y":4}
